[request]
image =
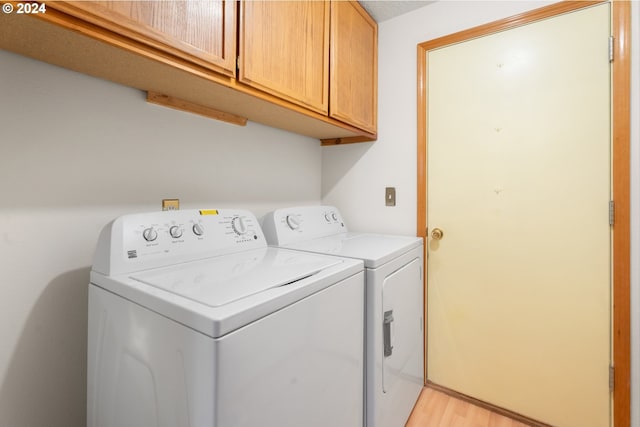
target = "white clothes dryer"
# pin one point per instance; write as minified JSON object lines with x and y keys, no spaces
{"x":394,"y":353}
{"x":194,"y":321}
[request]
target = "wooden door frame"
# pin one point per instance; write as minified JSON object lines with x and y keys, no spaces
{"x":621,"y":99}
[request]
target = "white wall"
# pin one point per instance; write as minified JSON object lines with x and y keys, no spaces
{"x":74,"y":153}
{"x":354,"y":176}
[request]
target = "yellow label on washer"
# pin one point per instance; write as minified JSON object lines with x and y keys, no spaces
{"x":208,"y":212}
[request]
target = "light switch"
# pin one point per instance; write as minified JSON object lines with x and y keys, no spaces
{"x":390,"y":196}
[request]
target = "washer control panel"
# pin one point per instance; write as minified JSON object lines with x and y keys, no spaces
{"x":148,"y":240}
{"x":290,"y":225}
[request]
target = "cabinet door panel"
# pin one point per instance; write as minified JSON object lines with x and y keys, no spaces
{"x":202,"y":31}
{"x":284,"y":50}
{"x":354,"y":66}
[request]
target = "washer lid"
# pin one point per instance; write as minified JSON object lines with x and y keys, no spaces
{"x":222,"y":280}
{"x":374,"y":249}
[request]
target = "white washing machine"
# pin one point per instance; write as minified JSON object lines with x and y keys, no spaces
{"x":394,"y":335}
{"x":194,"y":321}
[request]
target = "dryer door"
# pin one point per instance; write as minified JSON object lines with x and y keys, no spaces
{"x":402,"y":328}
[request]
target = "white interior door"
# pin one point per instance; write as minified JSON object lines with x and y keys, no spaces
{"x":519,"y":183}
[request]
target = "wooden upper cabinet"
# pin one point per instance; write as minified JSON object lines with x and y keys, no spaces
{"x":284,"y":50}
{"x":307,"y":66}
{"x":202,"y":31}
{"x":354,"y":66}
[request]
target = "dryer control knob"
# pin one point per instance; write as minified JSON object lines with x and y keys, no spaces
{"x":334,"y":216}
{"x":198,"y":230}
{"x":293,"y":222}
{"x":239,"y":225}
{"x":175,"y":231}
{"x":150,"y":234}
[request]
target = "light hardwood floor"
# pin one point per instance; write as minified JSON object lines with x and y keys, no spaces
{"x":437,"y":409}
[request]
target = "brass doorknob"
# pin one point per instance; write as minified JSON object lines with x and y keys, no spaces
{"x":437,"y":234}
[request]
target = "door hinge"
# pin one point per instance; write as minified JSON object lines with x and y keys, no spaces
{"x":611,"y":39}
{"x":612,"y":378}
{"x":612,"y":212}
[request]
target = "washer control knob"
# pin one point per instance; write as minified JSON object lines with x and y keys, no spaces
{"x":198,"y":230}
{"x":293,"y":222}
{"x":327,"y":217}
{"x":238,"y":225}
{"x":175,"y":231}
{"x":334,"y":216}
{"x":150,"y":234}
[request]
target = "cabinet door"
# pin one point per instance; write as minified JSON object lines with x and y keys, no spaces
{"x":284,"y":50}
{"x":202,"y":31}
{"x":354,"y":66}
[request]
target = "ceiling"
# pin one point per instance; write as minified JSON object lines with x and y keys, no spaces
{"x":382,"y":10}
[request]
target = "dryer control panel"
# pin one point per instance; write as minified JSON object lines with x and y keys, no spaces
{"x":150,"y":240}
{"x":291,"y":225}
